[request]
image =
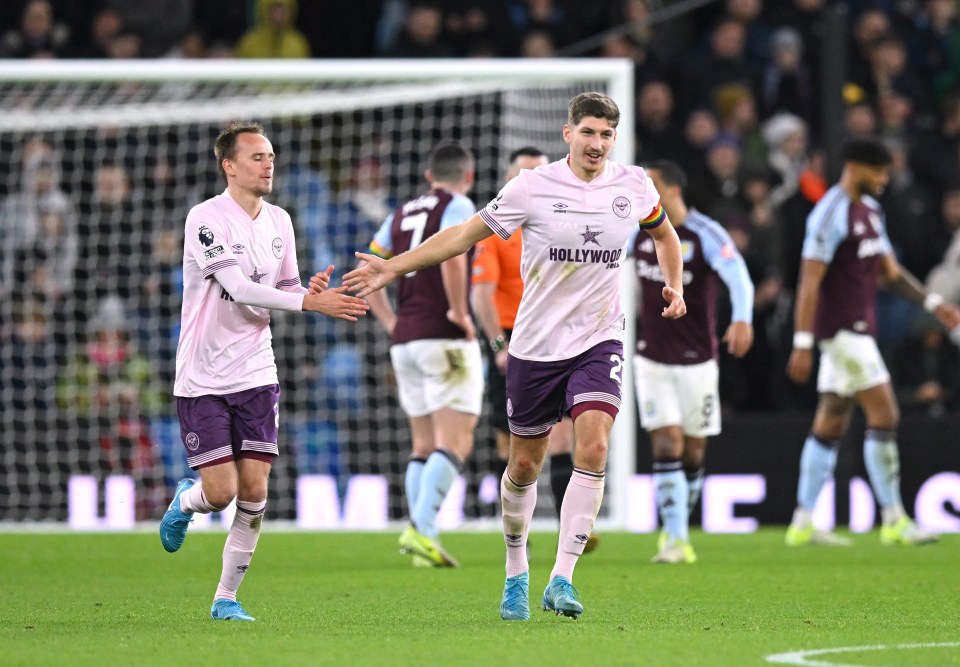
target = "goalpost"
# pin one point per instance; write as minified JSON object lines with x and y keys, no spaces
{"x":99,"y":163}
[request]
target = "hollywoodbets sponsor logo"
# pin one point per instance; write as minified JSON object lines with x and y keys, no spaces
{"x":587,"y":256}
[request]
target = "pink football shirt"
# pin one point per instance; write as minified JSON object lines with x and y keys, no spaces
{"x":224,"y":346}
{"x":574,"y":241}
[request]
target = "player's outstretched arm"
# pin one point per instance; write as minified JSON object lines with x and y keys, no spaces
{"x":336,"y":303}
{"x":377,"y":273}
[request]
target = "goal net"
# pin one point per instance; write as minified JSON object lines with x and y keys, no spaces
{"x":99,"y":164}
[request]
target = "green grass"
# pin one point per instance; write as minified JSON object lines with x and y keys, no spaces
{"x":351,"y":599}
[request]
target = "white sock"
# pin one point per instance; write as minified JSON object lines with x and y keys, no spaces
{"x":194,"y":500}
{"x":517,"y":502}
{"x":578,"y":513}
{"x":239,"y":548}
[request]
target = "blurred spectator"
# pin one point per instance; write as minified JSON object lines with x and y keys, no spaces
{"x":718,"y":194}
{"x":786,"y":137}
{"x":543,"y":15}
{"x":913,"y":225}
{"x":666,"y":40}
{"x":115,"y":234}
{"x":944,"y":278}
{"x":754,"y":379}
{"x":737,"y":114}
{"x":109,"y":385}
{"x":936,"y":154}
{"x":478,"y":26}
{"x":926,"y":369}
{"x":223,"y":22}
{"x":537,"y":44}
{"x":105,"y":27}
{"x":658,"y":136}
{"x":806,"y":17}
{"x":725,"y":63}
{"x":786,"y":84}
{"x":40,"y":241}
{"x":699,"y":131}
{"x":757,"y":34}
{"x":868,"y":27}
{"x":159,"y":25}
{"x":28,"y":370}
{"x":811,"y":186}
{"x":422,"y":35}
{"x":274,"y":35}
{"x":935,"y":29}
{"x":859,"y":121}
{"x":39,"y":35}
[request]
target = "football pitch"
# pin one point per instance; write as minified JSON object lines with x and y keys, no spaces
{"x":350,"y":599}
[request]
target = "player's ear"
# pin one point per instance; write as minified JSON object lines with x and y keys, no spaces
{"x":567,"y":132}
{"x":428,"y":174}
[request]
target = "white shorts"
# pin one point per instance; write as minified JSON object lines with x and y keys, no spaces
{"x":677,"y":395}
{"x":849,"y":363}
{"x":438,"y":373}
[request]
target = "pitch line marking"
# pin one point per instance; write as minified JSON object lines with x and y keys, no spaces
{"x":800,"y":657}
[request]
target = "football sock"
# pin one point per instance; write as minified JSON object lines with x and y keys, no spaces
{"x":517,"y":502}
{"x":882,"y":460}
{"x":817,"y":462}
{"x":441,"y":468}
{"x":672,"y":497}
{"x":694,"y":486}
{"x":581,"y":503}
{"x":561,"y":467}
{"x":411,"y":481}
{"x":194,"y":500}
{"x":239,"y":548}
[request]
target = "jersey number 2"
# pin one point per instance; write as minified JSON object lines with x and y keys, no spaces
{"x":617,"y":368}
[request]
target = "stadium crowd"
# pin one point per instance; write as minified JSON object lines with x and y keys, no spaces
{"x":731,"y":91}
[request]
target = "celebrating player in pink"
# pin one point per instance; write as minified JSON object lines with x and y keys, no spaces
{"x":566,"y":353}
{"x":239,"y":261}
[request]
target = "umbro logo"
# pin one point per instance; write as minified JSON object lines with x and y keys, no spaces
{"x":238,"y":248}
{"x":581,"y":538}
{"x":560,"y":207}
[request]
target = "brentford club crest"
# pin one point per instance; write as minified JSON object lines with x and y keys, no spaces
{"x":621,"y":207}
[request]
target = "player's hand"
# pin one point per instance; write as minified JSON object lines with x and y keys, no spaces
{"x":677,"y":307}
{"x":337,"y":304}
{"x":739,"y":338}
{"x":465,"y":322}
{"x":800,"y":365}
{"x":371,"y":275}
{"x":320,"y":281}
{"x":501,"y":358}
{"x":948,"y":314}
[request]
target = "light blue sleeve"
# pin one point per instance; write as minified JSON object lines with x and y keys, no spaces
{"x":887,"y":245}
{"x":458,"y":210}
{"x":826,"y":227}
{"x":722,"y":255}
{"x":382,"y":244}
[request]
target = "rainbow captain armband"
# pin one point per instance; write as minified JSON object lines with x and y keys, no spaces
{"x":378,"y":250}
{"x":657,"y":215}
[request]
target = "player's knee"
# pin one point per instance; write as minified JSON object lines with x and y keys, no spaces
{"x":592,"y":453}
{"x":219,"y":497}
